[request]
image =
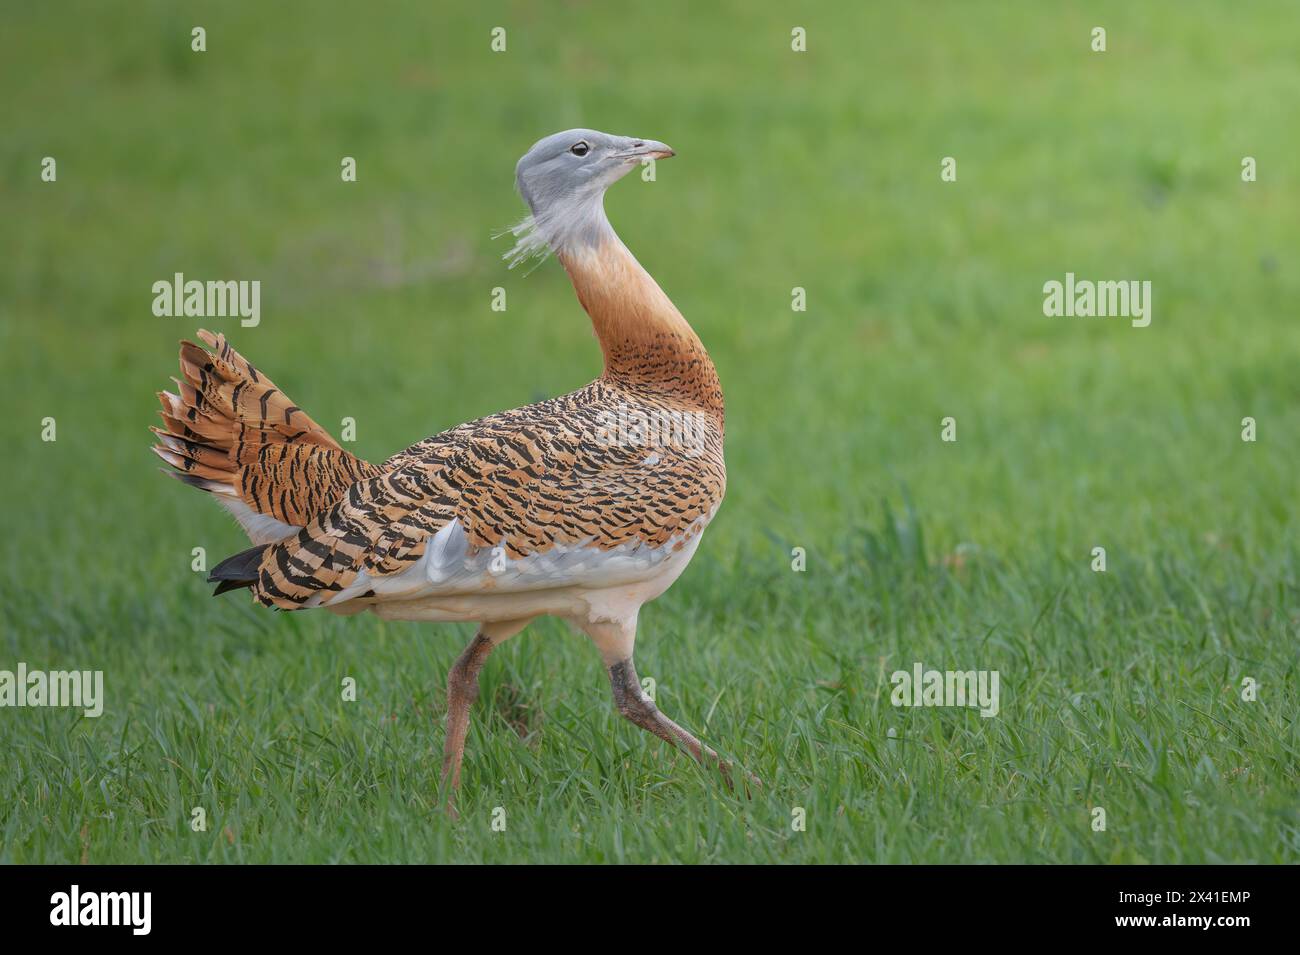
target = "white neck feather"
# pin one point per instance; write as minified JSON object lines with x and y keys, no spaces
{"x":568,"y":228}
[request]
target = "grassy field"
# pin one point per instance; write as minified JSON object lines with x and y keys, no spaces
{"x":1120,"y":690}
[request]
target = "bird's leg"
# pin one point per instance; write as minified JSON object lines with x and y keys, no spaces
{"x":636,"y":706}
{"x":462,"y":690}
{"x":615,"y":640}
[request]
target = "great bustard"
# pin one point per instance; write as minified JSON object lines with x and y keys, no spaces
{"x":584,"y":506}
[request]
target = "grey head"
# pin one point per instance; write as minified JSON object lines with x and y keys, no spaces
{"x":563,"y":179}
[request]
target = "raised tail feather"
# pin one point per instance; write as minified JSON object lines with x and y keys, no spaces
{"x":230,"y":431}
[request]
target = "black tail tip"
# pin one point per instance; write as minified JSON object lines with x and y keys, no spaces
{"x":237,"y":572}
{"x":228,"y":585}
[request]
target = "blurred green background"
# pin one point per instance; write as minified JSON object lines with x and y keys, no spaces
{"x":816,"y":169}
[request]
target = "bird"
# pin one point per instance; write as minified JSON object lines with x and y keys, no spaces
{"x":583,"y":507}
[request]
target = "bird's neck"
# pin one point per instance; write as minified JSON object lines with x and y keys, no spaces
{"x":648,"y":345}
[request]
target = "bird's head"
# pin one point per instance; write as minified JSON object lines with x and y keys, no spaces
{"x":563,"y":179}
{"x":578,"y":165}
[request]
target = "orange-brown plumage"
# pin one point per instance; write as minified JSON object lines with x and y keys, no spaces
{"x":647,"y":344}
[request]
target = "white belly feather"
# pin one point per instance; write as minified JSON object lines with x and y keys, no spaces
{"x":454,"y":582}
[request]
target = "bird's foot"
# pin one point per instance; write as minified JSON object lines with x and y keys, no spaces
{"x":748,"y":779}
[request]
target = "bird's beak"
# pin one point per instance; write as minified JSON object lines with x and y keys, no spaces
{"x":644,"y":149}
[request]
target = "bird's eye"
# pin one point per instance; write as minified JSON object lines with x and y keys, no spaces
{"x":580,"y":148}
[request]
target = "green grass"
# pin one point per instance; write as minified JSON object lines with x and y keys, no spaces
{"x":821,"y":170}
